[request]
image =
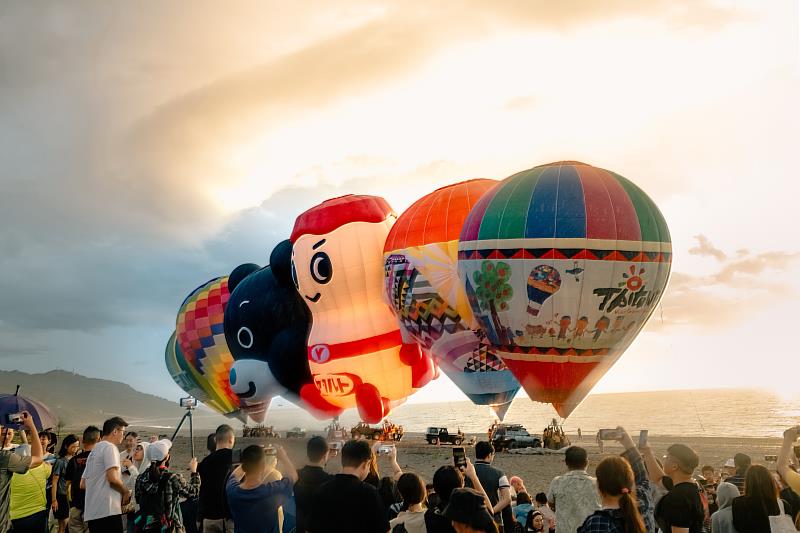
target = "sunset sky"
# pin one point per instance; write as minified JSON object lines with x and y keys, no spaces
{"x":145,"y":149}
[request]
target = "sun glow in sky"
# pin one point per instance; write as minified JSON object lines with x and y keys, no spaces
{"x":175,"y":148}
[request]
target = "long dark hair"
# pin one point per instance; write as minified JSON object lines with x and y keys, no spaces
{"x":68,"y":441}
{"x":615,"y":478}
{"x":761,"y":490}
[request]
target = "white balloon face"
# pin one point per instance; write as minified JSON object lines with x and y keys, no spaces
{"x":340,"y":276}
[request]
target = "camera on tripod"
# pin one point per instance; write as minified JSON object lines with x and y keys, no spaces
{"x":189,"y":402}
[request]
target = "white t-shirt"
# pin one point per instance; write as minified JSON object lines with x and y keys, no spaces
{"x":101,"y":499}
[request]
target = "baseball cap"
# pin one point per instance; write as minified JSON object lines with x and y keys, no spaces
{"x":158,"y":450}
{"x":730,"y":463}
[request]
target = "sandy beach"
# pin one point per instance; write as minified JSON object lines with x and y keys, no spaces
{"x":415,"y":455}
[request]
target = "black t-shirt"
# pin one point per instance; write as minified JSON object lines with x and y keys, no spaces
{"x":435,"y":522}
{"x":492,"y":481}
{"x":310,"y":478}
{"x":74,"y":471}
{"x":681,"y":507}
{"x":214,"y":471}
{"x":347,"y":505}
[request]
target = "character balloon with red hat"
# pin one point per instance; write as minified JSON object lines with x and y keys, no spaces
{"x":356,"y":353}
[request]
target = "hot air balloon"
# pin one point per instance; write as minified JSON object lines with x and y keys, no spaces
{"x":422,"y":286}
{"x":266,"y":326}
{"x":200,"y":347}
{"x":563,"y":264}
{"x":356,"y":354}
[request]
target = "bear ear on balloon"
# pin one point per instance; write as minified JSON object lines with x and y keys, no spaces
{"x":280,"y":261}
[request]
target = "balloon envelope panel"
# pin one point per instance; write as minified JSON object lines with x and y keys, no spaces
{"x":423,"y":288}
{"x":201,"y":338}
{"x":563,"y":264}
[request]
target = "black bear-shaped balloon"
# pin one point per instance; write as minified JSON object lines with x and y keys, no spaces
{"x":266,"y":326}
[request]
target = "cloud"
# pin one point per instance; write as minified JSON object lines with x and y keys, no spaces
{"x":740,"y":287}
{"x":705,"y":248}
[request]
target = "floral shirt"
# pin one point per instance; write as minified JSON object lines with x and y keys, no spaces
{"x":575,"y":497}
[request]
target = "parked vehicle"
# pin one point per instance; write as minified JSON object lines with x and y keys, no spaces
{"x":296,"y":433}
{"x":386,"y":432}
{"x":440,"y":435}
{"x":508,"y":436}
{"x":260,"y":432}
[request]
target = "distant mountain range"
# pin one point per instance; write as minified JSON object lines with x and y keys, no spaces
{"x":79,"y":401}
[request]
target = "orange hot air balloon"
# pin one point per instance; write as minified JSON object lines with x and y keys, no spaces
{"x":422,"y":286}
{"x":563,"y":264}
{"x":356,"y":353}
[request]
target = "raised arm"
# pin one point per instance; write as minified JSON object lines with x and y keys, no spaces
{"x":190,"y":489}
{"x":36,"y":445}
{"x":654,"y":471}
{"x":791,"y":477}
{"x":288,"y":468}
{"x":632,"y":455}
{"x":396,"y":470}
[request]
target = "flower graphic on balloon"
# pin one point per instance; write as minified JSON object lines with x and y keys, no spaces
{"x":634,"y":281}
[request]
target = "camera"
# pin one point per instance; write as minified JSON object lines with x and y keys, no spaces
{"x":609,"y":434}
{"x":189,"y":402}
{"x":15,"y":418}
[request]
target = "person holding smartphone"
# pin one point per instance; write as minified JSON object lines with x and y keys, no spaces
{"x":11,"y":463}
{"x":788,"y":451}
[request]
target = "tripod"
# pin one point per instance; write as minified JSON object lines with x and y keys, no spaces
{"x":187,"y":414}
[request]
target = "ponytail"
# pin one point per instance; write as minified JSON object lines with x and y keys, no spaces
{"x":615,"y":478}
{"x":630,"y":513}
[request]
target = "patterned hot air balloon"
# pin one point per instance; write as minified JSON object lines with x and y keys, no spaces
{"x":422,"y":286}
{"x":563,"y":265}
{"x":200,"y":347}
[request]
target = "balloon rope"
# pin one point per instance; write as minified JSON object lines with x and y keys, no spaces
{"x":696,"y":414}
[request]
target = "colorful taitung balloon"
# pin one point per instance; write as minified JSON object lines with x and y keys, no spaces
{"x":422,"y":286}
{"x":200,"y":344}
{"x":356,"y":354}
{"x":563,"y":264}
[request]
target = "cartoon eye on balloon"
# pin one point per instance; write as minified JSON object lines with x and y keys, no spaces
{"x":321,"y":268}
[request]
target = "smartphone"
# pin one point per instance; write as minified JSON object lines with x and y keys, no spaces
{"x":643,"y":438}
{"x":771,"y":458}
{"x":385,"y":449}
{"x":236,"y":456}
{"x":14,"y":418}
{"x":797,"y":451}
{"x":609,"y":434}
{"x":459,"y":457}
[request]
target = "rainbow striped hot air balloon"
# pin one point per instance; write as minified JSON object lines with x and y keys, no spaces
{"x":422,"y":286}
{"x":200,"y":348}
{"x":563,"y":265}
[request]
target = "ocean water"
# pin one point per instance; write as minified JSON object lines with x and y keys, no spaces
{"x":709,"y":413}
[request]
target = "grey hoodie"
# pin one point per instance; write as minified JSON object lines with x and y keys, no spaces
{"x":722,"y":520}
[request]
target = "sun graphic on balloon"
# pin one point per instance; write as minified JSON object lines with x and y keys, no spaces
{"x":634,"y":280}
